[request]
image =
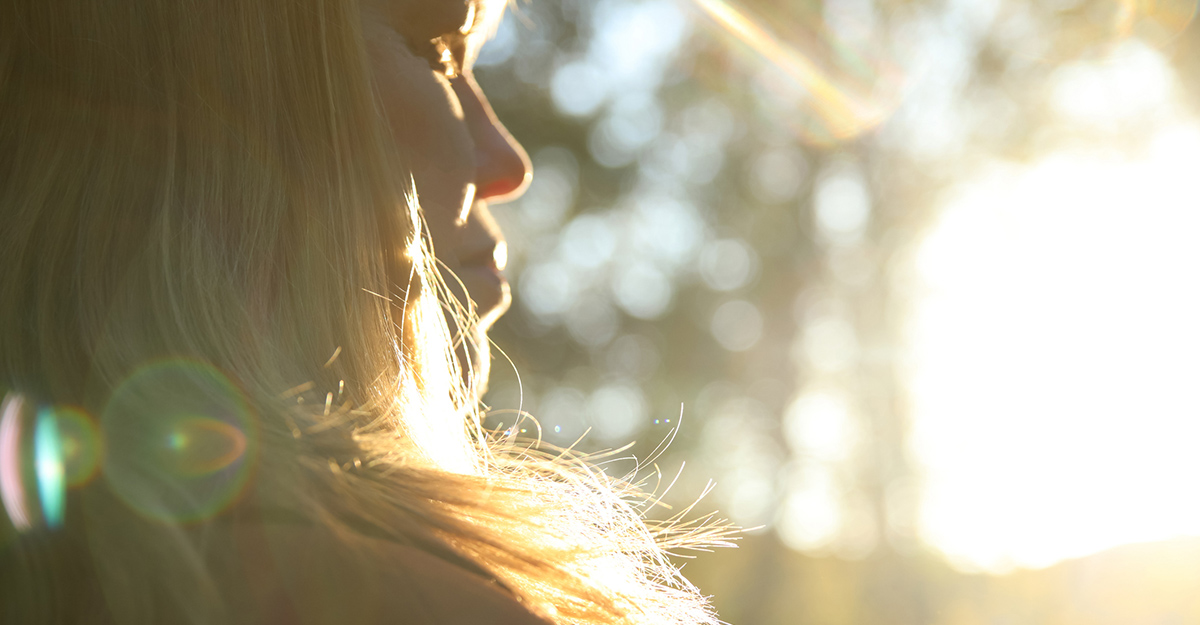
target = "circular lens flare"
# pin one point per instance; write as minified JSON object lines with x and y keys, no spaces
{"x":199,"y":446}
{"x":82,"y":448}
{"x":181,"y":441}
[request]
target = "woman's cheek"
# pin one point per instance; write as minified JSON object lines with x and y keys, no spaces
{"x":426,"y":124}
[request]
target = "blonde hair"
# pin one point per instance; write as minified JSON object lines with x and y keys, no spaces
{"x":213,"y":181}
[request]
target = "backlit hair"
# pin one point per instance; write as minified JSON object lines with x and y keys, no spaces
{"x":212,"y":183}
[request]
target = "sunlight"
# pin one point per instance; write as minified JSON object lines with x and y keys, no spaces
{"x":1055,"y":354}
{"x":839,"y":87}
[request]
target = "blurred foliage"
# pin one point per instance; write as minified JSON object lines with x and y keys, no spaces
{"x":712,"y":236}
{"x":762,"y":582}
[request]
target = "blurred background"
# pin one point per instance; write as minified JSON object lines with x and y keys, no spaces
{"x":912,"y":281}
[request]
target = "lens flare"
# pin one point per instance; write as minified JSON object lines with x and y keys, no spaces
{"x":81,"y":445}
{"x":33,"y":486}
{"x":201,"y":445}
{"x":12,"y":489}
{"x":837,"y":90}
{"x":1155,"y":21}
{"x":48,"y":460}
{"x":1054,"y":32}
{"x":181,"y":441}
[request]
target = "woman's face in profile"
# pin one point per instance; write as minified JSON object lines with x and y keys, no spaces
{"x":461,"y":157}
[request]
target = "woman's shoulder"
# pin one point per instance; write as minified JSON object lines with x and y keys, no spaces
{"x":300,"y":574}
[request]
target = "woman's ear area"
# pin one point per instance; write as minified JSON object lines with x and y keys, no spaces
{"x":502,"y":167}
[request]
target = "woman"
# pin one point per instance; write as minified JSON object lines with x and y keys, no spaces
{"x":215,"y":261}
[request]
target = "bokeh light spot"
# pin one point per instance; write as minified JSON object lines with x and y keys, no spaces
{"x":547,"y":290}
{"x":811,"y":514}
{"x":841,"y":205}
{"x":617,"y":411}
{"x":737,"y":325}
{"x":633,"y":355}
{"x":727,"y":264}
{"x":592,"y":321}
{"x":819,"y":424}
{"x":632,"y":122}
{"x":642,"y":290}
{"x":1134,"y":83}
{"x":562,"y":411}
{"x":777,"y":174}
{"x":588,"y":241}
{"x":579,"y":88}
{"x":828,"y":344}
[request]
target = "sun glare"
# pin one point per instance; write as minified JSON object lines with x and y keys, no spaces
{"x":837,"y":85}
{"x":1056,"y":352}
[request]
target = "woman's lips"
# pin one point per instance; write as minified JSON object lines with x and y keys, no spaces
{"x":481,"y":275}
{"x":493,"y":255}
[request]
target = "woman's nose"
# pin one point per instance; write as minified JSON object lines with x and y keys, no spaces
{"x":502,"y":168}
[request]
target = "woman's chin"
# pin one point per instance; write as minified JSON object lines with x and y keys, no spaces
{"x":490,"y":291}
{"x":491,"y":296}
{"x":475,"y":362}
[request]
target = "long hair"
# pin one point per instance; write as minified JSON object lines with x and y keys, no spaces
{"x":200,"y":199}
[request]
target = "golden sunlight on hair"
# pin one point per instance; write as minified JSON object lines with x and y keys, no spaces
{"x":211,"y":251}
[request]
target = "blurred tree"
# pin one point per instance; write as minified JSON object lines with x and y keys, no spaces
{"x":726,"y":201}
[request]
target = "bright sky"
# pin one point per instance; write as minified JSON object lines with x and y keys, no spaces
{"x":1055,"y":352}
